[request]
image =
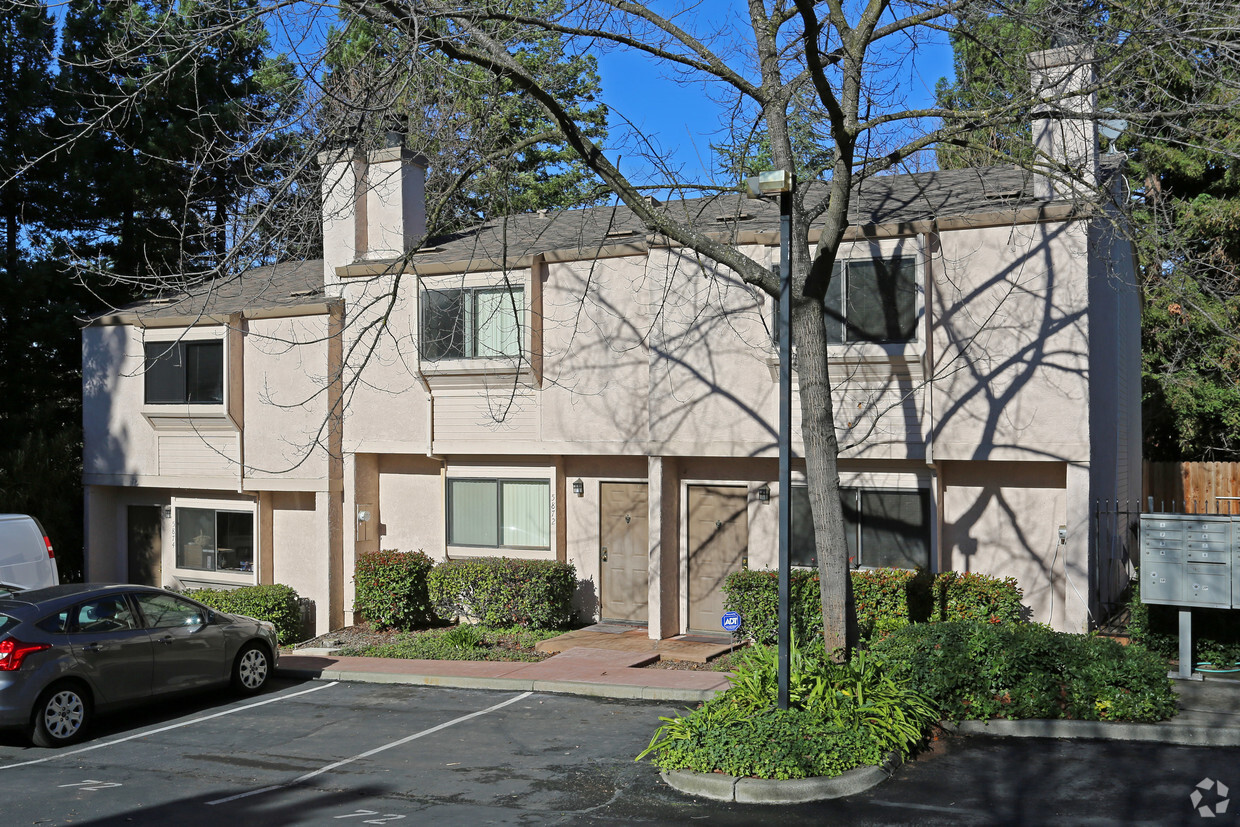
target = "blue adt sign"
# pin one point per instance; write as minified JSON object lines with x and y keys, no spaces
{"x":731,"y":621}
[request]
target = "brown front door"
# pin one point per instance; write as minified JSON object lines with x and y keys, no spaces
{"x":145,"y":544}
{"x":718,"y":542}
{"x":625,"y":551}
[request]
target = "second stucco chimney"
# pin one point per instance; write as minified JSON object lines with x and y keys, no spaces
{"x":1066,"y":162}
{"x":395,"y":212}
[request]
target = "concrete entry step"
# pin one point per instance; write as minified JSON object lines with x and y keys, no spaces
{"x":693,"y":649}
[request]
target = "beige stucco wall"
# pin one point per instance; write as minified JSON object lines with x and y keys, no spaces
{"x":1010,"y":343}
{"x":1003,"y":519}
{"x":411,"y":512}
{"x":299,"y":532}
{"x":285,"y":370}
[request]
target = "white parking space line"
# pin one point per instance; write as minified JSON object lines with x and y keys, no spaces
{"x":374,"y":751}
{"x":145,"y":733}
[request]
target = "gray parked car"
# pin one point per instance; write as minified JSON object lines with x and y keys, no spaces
{"x":69,"y":651}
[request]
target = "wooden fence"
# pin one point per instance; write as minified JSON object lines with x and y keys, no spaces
{"x":1192,"y":487}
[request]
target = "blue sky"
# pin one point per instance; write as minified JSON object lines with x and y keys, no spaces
{"x":685,"y":121}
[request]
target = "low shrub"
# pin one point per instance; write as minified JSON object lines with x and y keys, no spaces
{"x":885,"y":600}
{"x":841,"y":716}
{"x":275,"y":603}
{"x":498,"y":591}
{"x":979,"y":670}
{"x":969,"y":596}
{"x":390,"y":589}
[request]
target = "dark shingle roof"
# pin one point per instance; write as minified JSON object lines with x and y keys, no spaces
{"x":292,"y":284}
{"x":881,"y":200}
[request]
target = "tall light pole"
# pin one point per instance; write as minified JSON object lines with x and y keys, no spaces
{"x":765,"y":185}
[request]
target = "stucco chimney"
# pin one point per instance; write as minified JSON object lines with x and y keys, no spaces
{"x":395,"y":217}
{"x":1067,"y":147}
{"x":343,"y":199}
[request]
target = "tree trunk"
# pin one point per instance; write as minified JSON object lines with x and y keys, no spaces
{"x":839,"y":626}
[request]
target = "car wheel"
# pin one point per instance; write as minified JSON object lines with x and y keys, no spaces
{"x":251,"y":668}
{"x":60,"y":716}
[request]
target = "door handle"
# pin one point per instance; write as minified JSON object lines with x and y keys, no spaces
{"x":604,"y":554}
{"x":166,"y":640}
{"x":93,"y":647}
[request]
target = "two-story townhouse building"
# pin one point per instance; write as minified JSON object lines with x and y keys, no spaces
{"x":565,"y":385}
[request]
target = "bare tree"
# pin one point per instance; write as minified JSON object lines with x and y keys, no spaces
{"x":781,"y":70}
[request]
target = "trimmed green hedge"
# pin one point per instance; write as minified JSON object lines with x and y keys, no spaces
{"x":886,"y":599}
{"x":499,"y":591}
{"x":390,"y":589}
{"x":275,"y":603}
{"x":976,"y":670}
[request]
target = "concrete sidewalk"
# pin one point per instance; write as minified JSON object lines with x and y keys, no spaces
{"x":1209,"y":710}
{"x":581,"y":670}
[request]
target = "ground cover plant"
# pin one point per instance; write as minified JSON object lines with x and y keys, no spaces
{"x":840,"y":716}
{"x":979,"y":670}
{"x":461,"y":642}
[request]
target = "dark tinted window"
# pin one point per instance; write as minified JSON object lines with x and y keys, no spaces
{"x":103,"y":614}
{"x":882,"y":528}
{"x":872,"y":300}
{"x":181,"y":372}
{"x":56,"y":624}
{"x":163,"y":611}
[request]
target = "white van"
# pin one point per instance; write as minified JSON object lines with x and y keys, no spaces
{"x":26,"y":557}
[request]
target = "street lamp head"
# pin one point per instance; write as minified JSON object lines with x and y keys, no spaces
{"x":766,"y":184}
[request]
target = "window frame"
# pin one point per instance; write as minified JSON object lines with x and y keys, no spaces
{"x":468,"y":297}
{"x":856,"y":527}
{"x":549,"y":525}
{"x":238,"y":576}
{"x":840,"y":280}
{"x":179,"y":352}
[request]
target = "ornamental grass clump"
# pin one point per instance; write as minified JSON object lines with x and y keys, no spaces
{"x":840,"y":716}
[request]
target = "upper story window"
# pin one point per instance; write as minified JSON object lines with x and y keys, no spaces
{"x":472,"y":322}
{"x":184,"y":372}
{"x":881,"y":528}
{"x":873,"y":300}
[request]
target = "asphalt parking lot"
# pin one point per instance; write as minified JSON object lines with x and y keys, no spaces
{"x":353,"y":753}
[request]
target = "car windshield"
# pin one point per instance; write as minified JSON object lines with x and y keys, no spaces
{"x":6,"y":622}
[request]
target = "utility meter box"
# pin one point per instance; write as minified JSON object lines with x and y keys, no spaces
{"x":1190,"y":560}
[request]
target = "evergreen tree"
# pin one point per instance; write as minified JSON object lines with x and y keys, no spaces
{"x":1185,"y":181}
{"x":453,"y":112}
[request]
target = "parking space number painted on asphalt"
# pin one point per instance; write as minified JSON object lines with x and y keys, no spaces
{"x":382,"y":819}
{"x":90,"y":784}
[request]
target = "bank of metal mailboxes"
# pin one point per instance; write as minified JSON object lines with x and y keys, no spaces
{"x":1190,"y":560}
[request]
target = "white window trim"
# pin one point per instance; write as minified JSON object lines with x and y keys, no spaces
{"x":158,"y":415}
{"x":474,"y":366}
{"x":501,"y":472}
{"x":911,"y":247}
{"x":201,"y":575}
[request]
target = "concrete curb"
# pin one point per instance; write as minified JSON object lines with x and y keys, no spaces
{"x":721,"y":787}
{"x":564,"y":687}
{"x":1164,"y":733}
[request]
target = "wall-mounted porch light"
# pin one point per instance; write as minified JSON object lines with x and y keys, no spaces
{"x":579,"y":488}
{"x":764,"y":494}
